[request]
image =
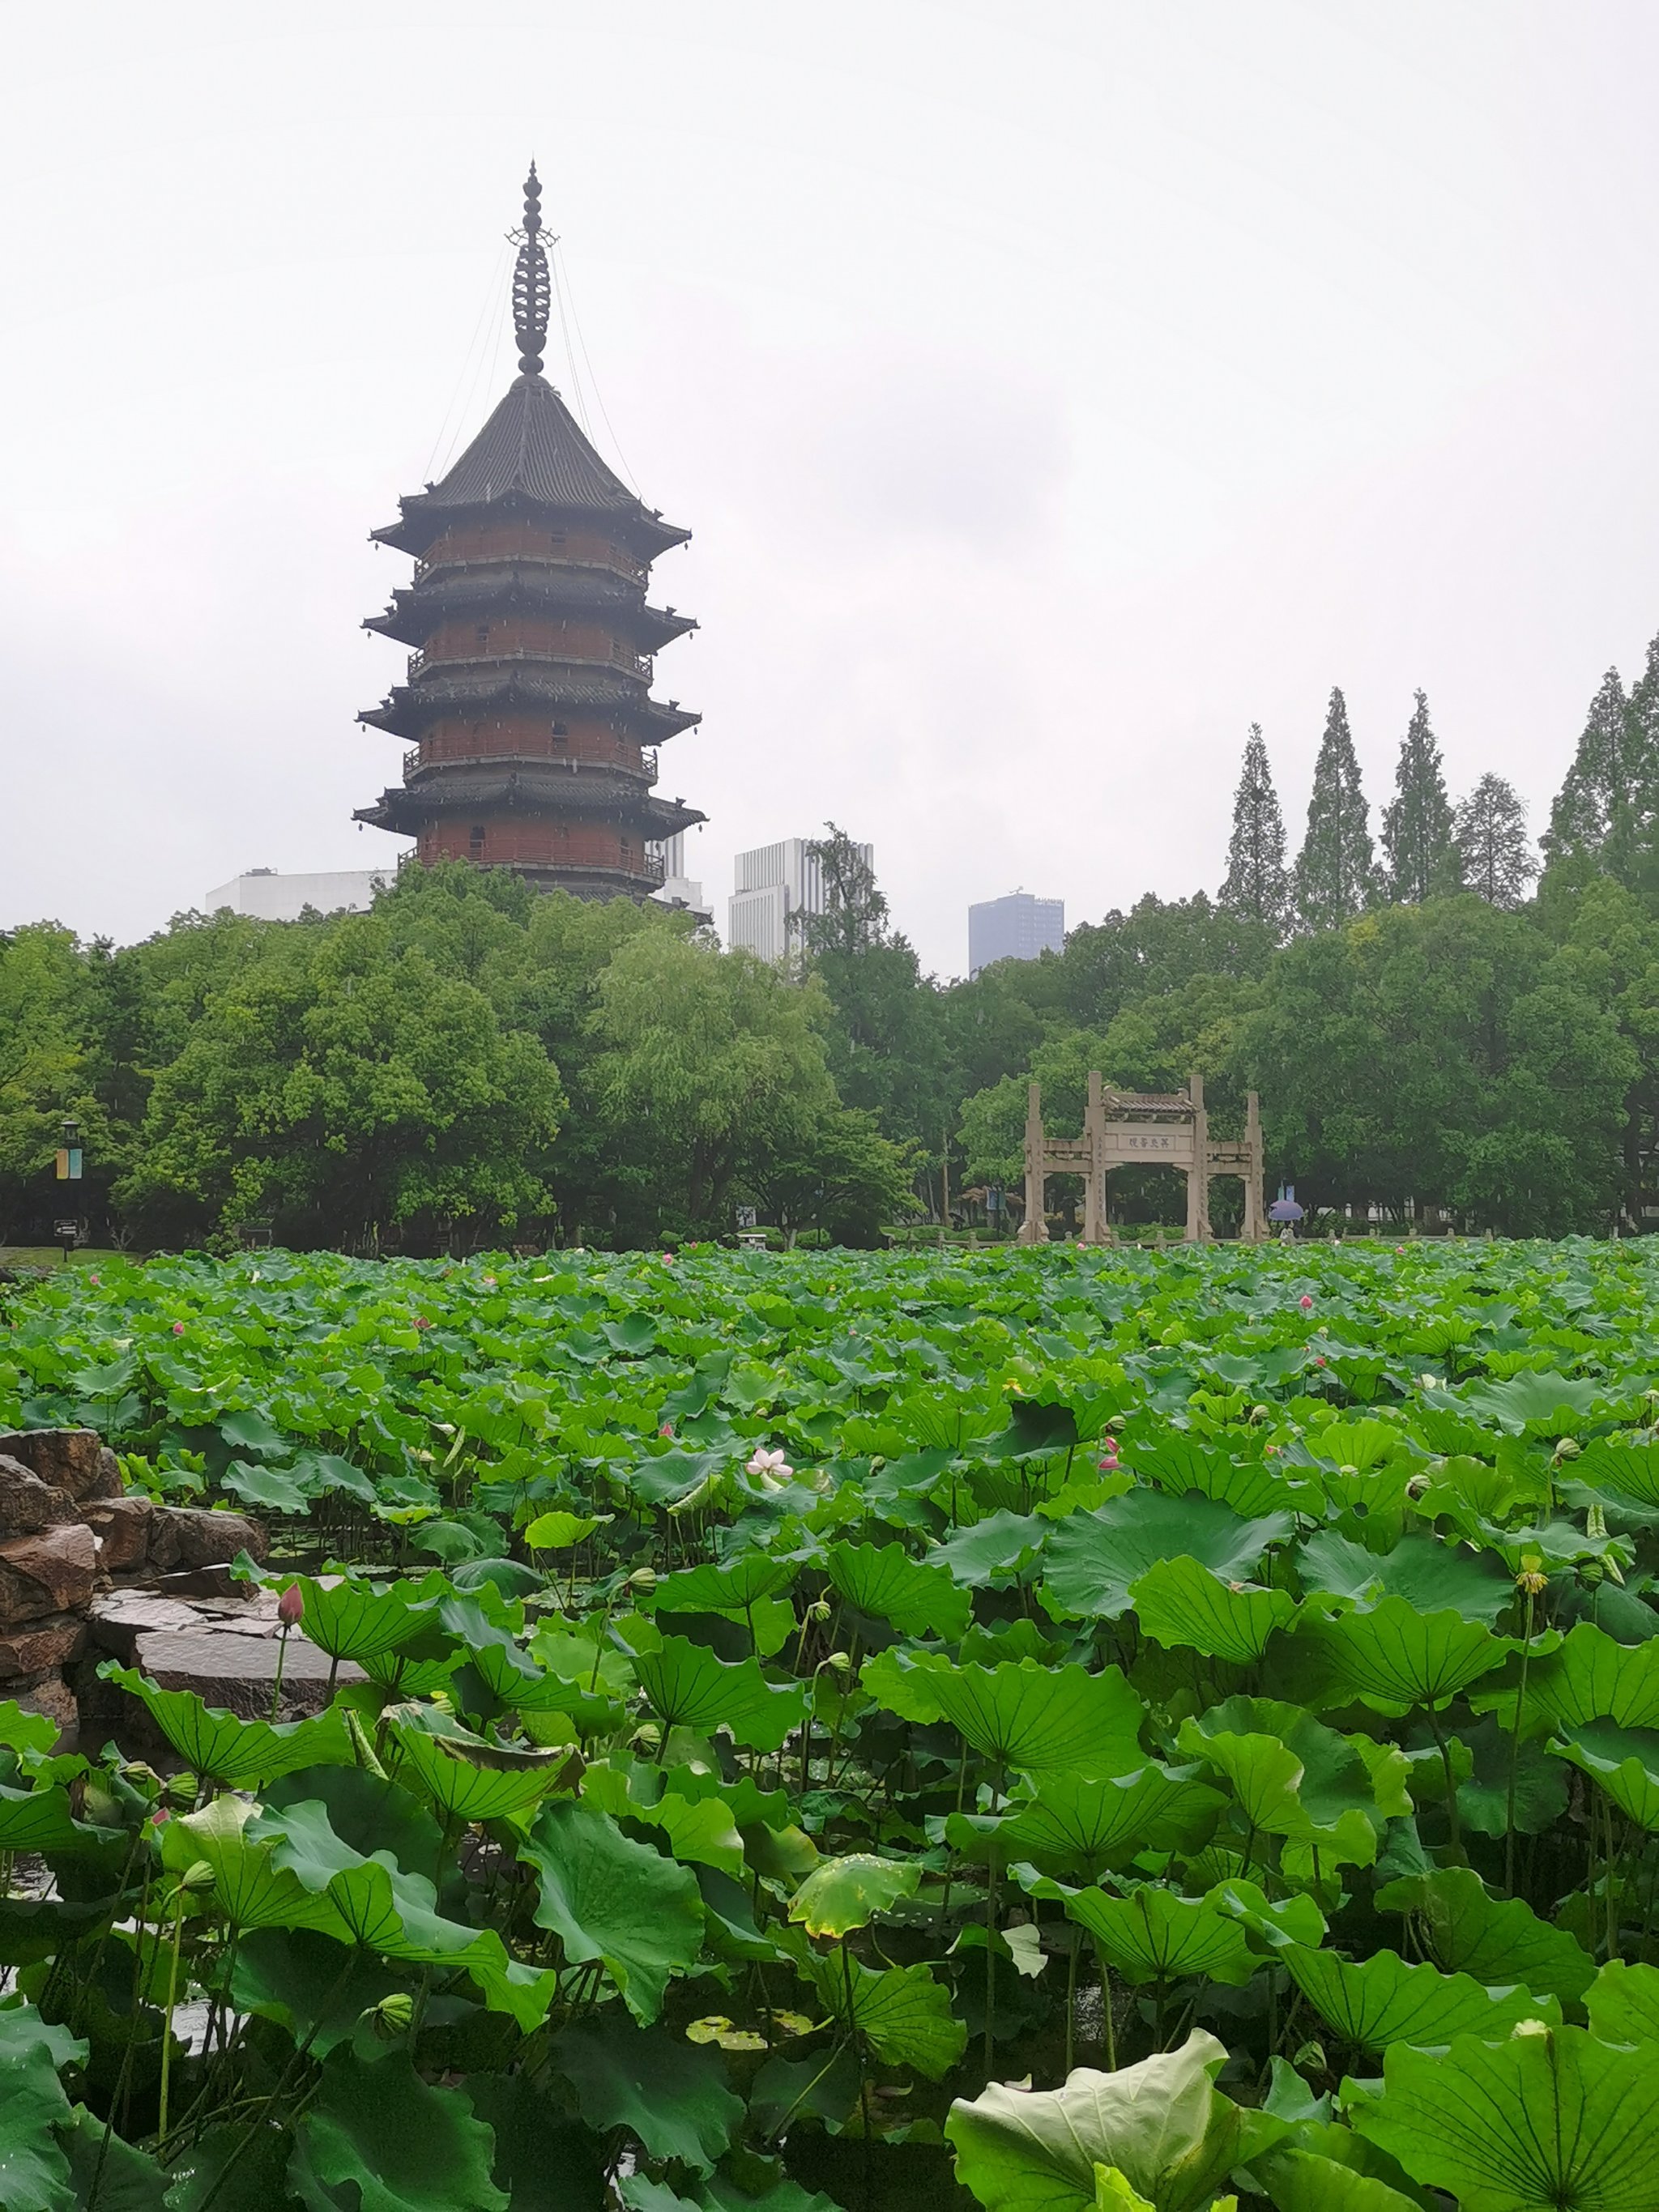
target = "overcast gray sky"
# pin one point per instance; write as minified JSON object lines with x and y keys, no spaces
{"x":1052,"y":389}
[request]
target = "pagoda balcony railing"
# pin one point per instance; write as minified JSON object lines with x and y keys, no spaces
{"x":645,"y":766}
{"x":615,"y":564}
{"x":631,"y":664}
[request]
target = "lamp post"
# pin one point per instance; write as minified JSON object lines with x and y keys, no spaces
{"x":70,"y":1162}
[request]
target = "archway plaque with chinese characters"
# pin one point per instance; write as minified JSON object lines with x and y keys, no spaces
{"x":1142,"y":1128}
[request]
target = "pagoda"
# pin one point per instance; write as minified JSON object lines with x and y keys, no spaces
{"x":527,"y":701}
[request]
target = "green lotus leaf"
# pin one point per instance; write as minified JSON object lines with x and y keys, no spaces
{"x":1623,"y":2003}
{"x":730,"y":1590}
{"x":1276,"y":1923}
{"x":272,"y":1489}
{"x":1070,"y":1821}
{"x":230,"y":2168}
{"x":672,"y":1476}
{"x":471,"y":1780}
{"x":1033,"y":1426}
{"x":1297,"y":2180}
{"x":1509,"y":1784}
{"x":125,"y":2178}
{"x":1150,"y":1934}
{"x":377,"y":2138}
{"x":701,"y":1830}
{"x":882,"y":1580}
{"x":545,"y":2159}
{"x":299,"y":1978}
{"x":1497,"y":1940}
{"x":250,"y":1888}
{"x":1393,"y":1657}
{"x":356,"y":1619}
{"x":241,"y":1754}
{"x":1184,"y":1606}
{"x":1161,"y":2124}
{"x":902,"y":2011}
{"x":1291,"y":1775}
{"x":1025,"y":1717}
{"x":34,"y":2174}
{"x":1585,"y":1677}
{"x":608,"y":1898}
{"x":687,"y":1686}
{"x":1429,"y":1574}
{"x":1094,"y":1560}
{"x":40,"y":1820}
{"x":1623,"y":1470}
{"x":1115,"y":2192}
{"x":1624,"y":1761}
{"x":1548,"y":2118}
{"x":25,"y":1731}
{"x":558,"y":1531}
{"x":1362,"y":1445}
{"x":1381,"y":2001}
{"x":670,"y":2094}
{"x":252,"y":1431}
{"x":510,"y":1675}
{"x":1542,"y":1405}
{"x":844,"y":1893}
{"x":1002,"y":1548}
{"x":1252,"y":1489}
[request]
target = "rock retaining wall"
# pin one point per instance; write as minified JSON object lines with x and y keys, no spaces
{"x":70,"y":1533}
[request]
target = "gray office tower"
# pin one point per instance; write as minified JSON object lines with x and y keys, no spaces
{"x":1017,"y":927}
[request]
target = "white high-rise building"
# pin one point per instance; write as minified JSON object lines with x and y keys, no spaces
{"x":1017,"y":927}
{"x":775,"y":888}
{"x":271,"y":896}
{"x":678,"y":888}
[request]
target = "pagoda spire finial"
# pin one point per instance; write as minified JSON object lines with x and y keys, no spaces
{"x":532,"y":291}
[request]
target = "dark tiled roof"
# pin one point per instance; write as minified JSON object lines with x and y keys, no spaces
{"x":408,"y":709}
{"x":532,"y":451}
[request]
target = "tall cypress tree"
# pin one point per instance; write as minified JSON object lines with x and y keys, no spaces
{"x":1596,"y":802}
{"x":1258,"y":884}
{"x":1496,"y":855}
{"x":1335,"y":876}
{"x":1417,"y":822}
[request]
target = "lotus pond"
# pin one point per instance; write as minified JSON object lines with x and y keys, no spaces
{"x":1052,"y":1730}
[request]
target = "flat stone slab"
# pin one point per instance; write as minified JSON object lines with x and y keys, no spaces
{"x":237,"y":1672}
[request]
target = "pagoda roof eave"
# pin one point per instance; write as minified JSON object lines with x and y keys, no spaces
{"x":410,"y":708}
{"x":421,"y":521}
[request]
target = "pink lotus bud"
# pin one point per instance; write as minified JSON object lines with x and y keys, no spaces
{"x":1108,"y":1443}
{"x":159,"y":1815}
{"x":178,"y":1329}
{"x":95,"y":1280}
{"x":1108,"y":1466}
{"x":666,"y":1430}
{"x":421,"y":1321}
{"x":1319,"y":1363}
{"x":1307,"y":1302}
{"x":291,"y":1606}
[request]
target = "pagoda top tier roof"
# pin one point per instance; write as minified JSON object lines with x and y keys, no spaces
{"x":530,"y":455}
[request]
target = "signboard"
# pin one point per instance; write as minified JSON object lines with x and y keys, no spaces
{"x":746,"y":1217}
{"x":68,"y":1164}
{"x":1129,"y":1142}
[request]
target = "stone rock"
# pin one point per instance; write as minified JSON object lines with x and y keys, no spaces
{"x":28,"y":1504}
{"x":119,"y":1618}
{"x":191,"y":1536}
{"x":122,"y":1526}
{"x":52,"y":1696}
{"x":71,"y":1458}
{"x":55,"y":1571}
{"x":106,"y":1481}
{"x":40,"y":1647}
{"x":237,"y":1672}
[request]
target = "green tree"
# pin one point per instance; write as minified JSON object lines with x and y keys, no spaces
{"x":1442,"y":1052}
{"x":840,"y":1175}
{"x":1498,"y":861}
{"x":44,"y":1071}
{"x":1417,"y":822}
{"x":1597,"y":805}
{"x":716,"y":1059}
{"x":1158,"y":946}
{"x":343,"y":1088}
{"x":1335,"y":871}
{"x":1258,"y":885}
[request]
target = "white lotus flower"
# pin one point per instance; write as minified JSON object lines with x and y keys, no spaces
{"x":770,"y":1468}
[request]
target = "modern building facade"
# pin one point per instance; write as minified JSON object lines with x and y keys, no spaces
{"x":775,"y":888}
{"x":1017,"y":927}
{"x":532,"y":733}
{"x":269,"y":896}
